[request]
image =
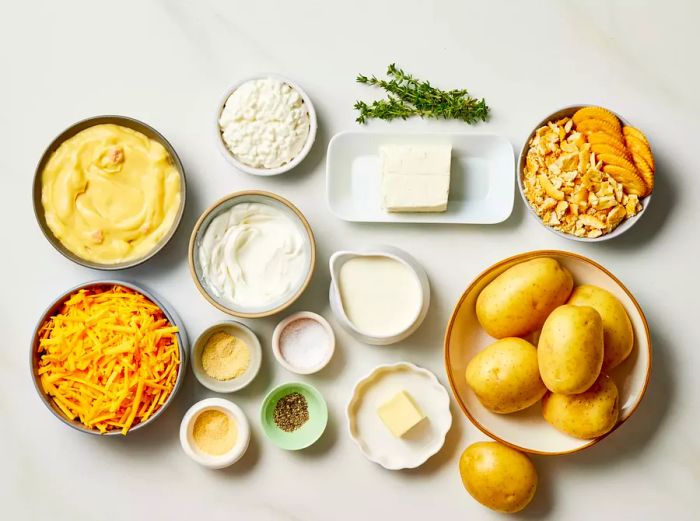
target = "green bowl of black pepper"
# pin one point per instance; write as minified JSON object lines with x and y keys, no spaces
{"x":294,"y":415}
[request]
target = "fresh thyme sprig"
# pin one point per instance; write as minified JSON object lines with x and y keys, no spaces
{"x":409,"y":96}
{"x":388,"y":109}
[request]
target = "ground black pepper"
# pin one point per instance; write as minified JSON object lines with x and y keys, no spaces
{"x":291,"y":412}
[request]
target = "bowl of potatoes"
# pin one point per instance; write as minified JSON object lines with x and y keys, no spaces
{"x":547,"y":352}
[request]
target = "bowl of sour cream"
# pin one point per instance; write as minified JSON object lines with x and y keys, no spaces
{"x":380,"y":295}
{"x":252,"y":254}
{"x":265,"y":125}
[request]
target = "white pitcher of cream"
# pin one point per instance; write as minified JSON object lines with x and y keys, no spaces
{"x":381,"y":295}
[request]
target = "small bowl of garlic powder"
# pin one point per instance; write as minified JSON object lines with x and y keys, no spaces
{"x":226,"y":357}
{"x":215,"y":433}
{"x":265,"y":125}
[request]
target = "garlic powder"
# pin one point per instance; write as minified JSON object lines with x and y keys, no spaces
{"x":264,"y":123}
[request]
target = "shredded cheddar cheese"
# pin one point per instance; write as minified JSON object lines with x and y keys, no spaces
{"x":109,"y":359}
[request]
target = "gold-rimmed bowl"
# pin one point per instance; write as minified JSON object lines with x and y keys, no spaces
{"x":68,"y":133}
{"x":223,"y":205}
{"x":527,"y":430}
{"x":567,"y":112}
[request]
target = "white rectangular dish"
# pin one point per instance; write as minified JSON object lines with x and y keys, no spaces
{"x":481,"y":186}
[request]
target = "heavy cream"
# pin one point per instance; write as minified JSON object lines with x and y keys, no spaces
{"x":381,"y":296}
{"x":253,"y":256}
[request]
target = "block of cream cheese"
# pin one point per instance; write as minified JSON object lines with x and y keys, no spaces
{"x":400,"y":414}
{"x":415,"y":178}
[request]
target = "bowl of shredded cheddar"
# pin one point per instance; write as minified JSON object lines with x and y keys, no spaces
{"x":108,"y":357}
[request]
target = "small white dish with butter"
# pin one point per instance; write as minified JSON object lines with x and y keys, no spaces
{"x":399,"y":415}
{"x":380,"y":295}
{"x":420,"y":177}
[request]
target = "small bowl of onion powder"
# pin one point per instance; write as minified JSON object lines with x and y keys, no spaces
{"x":265,"y":125}
{"x":226,"y":357}
{"x":303,"y":343}
{"x":215,"y":433}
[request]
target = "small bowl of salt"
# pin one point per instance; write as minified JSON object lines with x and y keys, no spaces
{"x":303,"y":343}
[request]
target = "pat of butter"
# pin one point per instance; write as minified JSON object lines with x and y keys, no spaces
{"x":415,"y":178}
{"x":400,"y":414}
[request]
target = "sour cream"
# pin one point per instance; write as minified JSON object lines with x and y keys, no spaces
{"x":381,"y":296}
{"x":264,"y":123}
{"x":253,"y":256}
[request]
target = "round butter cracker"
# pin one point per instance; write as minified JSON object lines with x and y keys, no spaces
{"x":597,"y":113}
{"x":632,"y":182}
{"x":639,"y":147}
{"x":635,"y":132}
{"x":602,"y":138}
{"x":599,"y":125}
{"x":614,"y":159}
{"x":610,"y":150}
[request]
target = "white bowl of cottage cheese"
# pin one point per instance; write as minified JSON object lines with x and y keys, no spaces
{"x":265,"y":125}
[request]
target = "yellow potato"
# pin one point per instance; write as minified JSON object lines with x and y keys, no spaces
{"x":505,"y":376}
{"x":570,"y":349}
{"x":497,"y":476}
{"x":586,"y":415}
{"x":618,"y":336}
{"x":518,"y":301}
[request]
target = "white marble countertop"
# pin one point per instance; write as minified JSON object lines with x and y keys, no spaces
{"x":168,"y":62}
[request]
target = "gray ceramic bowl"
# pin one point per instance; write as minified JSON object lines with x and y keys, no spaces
{"x":170,"y":314}
{"x":71,"y":131}
{"x":236,"y":329}
{"x":622,"y":228}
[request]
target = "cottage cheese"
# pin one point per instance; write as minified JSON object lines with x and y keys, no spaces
{"x":264,"y":123}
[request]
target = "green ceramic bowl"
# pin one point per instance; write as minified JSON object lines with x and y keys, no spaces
{"x":308,"y":433}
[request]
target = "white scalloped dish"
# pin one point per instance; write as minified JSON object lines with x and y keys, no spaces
{"x":375,"y":440}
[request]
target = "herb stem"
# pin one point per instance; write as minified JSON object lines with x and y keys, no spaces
{"x":408,"y":96}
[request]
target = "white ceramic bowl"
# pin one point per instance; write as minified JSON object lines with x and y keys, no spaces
{"x":527,"y":430}
{"x":238,"y":330}
{"x":335,"y":263}
{"x":242,"y":439}
{"x":223,"y":205}
{"x":374,"y":439}
{"x":622,"y":227}
{"x":313,"y":125}
{"x":276,"y":348}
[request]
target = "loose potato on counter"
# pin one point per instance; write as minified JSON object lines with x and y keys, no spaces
{"x":497,"y":476}
{"x":570,"y":349}
{"x":518,"y":301}
{"x":586,"y":415}
{"x":505,"y":376}
{"x":618,"y":336}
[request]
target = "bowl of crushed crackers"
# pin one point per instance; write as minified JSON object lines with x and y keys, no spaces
{"x":586,"y":173}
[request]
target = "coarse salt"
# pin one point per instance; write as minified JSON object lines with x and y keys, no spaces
{"x":304,"y":343}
